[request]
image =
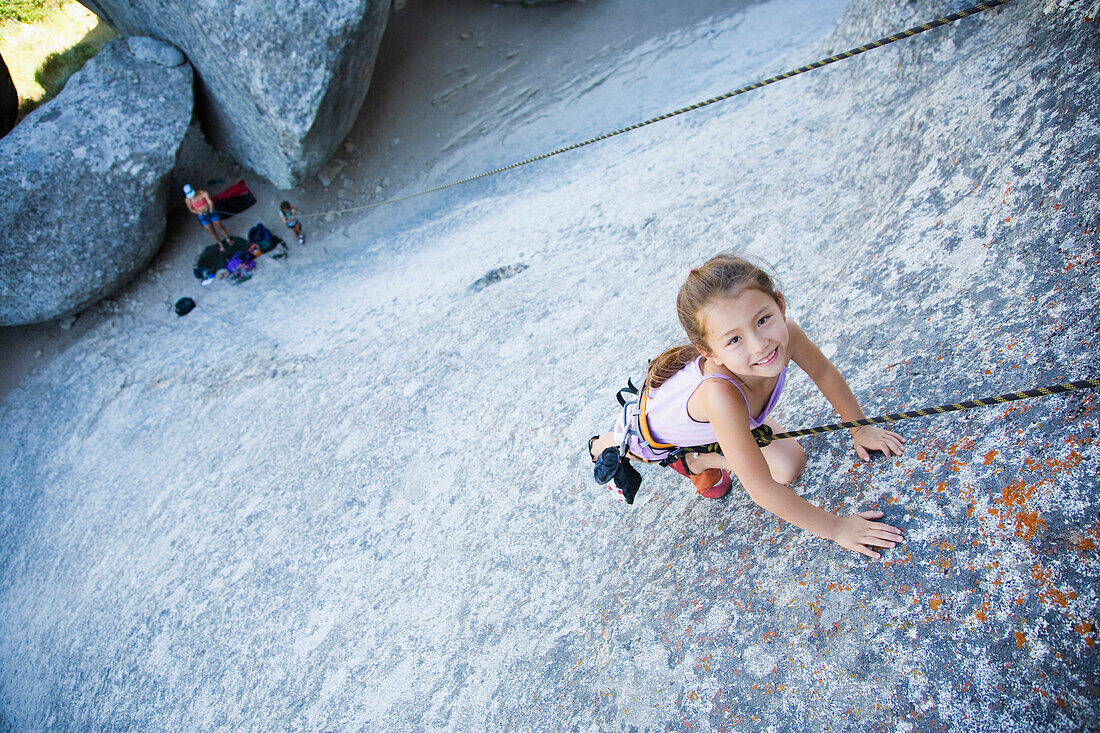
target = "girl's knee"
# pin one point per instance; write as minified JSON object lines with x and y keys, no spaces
{"x":788,"y":465}
{"x":793,"y":471}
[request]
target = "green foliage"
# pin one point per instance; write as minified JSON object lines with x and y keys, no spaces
{"x":27,"y":11}
{"x":56,"y":70}
{"x":58,"y":67}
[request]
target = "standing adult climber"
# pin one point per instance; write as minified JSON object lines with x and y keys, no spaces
{"x":201,"y":205}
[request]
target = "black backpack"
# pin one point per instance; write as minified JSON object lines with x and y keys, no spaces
{"x":184,"y":306}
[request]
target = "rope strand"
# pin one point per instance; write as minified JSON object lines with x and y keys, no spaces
{"x":764,"y":435}
{"x":965,"y":12}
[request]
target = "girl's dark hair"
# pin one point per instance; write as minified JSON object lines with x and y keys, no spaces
{"x":722,"y":275}
{"x":285,"y":206}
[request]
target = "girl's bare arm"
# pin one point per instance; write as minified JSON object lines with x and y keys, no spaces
{"x":830,"y":381}
{"x":729,"y":417}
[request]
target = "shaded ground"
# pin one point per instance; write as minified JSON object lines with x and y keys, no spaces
{"x":352,"y":492}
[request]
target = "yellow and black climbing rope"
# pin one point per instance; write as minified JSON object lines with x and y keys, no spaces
{"x":764,"y":435}
{"x":965,"y":12}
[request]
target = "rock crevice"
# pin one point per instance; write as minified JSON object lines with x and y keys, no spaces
{"x":279,"y":84}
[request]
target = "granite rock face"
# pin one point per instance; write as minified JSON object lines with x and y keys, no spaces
{"x":369,"y":507}
{"x":154,"y":51}
{"x":85,"y":181}
{"x":9,"y":100}
{"x":279,"y":83}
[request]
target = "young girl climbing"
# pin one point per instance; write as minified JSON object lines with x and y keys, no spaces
{"x":724,"y":384}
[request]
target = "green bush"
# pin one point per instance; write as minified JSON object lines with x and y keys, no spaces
{"x":55,"y":71}
{"x":58,"y":67}
{"x":27,"y":11}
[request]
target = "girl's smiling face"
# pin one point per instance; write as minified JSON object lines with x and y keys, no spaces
{"x":747,"y":333}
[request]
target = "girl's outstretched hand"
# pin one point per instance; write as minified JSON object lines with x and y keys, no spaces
{"x":869,"y":437}
{"x":858,"y":533}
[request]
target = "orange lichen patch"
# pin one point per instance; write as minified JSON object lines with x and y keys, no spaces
{"x":1053,"y":596}
{"x":936,"y":602}
{"x":1077,"y":442}
{"x":1020,"y":640}
{"x":1084,"y":628}
{"x":990,"y":456}
{"x":1028,"y":523}
{"x":981,"y":612}
{"x":965,"y":444}
{"x":1048,"y":594}
{"x":1016,"y":493}
{"x":1069,"y":462}
{"x":1084,"y":544}
{"x":1041,"y":575}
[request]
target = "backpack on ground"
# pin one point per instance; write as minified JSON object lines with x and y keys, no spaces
{"x":260,"y":235}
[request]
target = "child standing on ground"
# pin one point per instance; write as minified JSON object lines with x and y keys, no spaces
{"x":290,"y":218}
{"x":725,"y":383}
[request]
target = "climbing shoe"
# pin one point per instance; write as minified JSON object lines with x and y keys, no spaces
{"x":712,"y":483}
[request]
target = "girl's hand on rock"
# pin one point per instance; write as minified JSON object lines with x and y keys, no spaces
{"x":869,"y":438}
{"x":859,"y":534}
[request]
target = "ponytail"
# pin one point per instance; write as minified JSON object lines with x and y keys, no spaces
{"x":668,"y":363}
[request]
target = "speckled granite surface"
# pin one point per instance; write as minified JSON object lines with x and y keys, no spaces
{"x":370,"y":508}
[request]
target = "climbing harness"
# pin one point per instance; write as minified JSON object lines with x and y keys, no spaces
{"x":633,"y":424}
{"x":945,"y":20}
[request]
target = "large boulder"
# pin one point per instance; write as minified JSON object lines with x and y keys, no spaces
{"x":9,"y":100}
{"x":85,"y":180}
{"x":280,"y":83}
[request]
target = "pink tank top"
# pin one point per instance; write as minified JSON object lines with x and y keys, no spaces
{"x":667,"y":413}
